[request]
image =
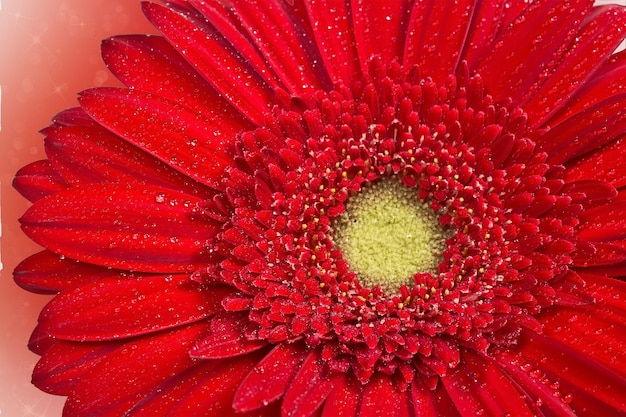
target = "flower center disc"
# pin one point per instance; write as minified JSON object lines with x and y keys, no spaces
{"x":388,"y":234}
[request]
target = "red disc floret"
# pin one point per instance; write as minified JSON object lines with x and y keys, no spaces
{"x":510,"y":226}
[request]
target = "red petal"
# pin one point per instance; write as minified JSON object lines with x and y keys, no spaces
{"x":607,"y":163}
{"x":290,"y":55}
{"x":486,"y":22}
{"x":63,"y":365}
{"x":168,"y":395}
{"x":128,"y":306}
{"x":344,"y":399}
{"x":390,"y":18}
{"x":382,"y":398}
{"x":219,"y":15}
{"x":607,"y":291}
{"x":602,"y":223}
{"x":592,"y":45}
{"x":516,"y":64}
{"x":511,"y":11}
{"x":309,"y":388}
{"x":48,"y":273}
{"x":213,"y":395}
{"x":91,"y":154}
{"x":334,"y":36}
{"x":123,"y":226}
{"x":594,"y":331}
{"x":584,"y":132}
{"x":74,"y":116}
{"x":197,"y":146}
{"x":269,"y":379}
{"x":214,"y":59}
{"x":226,"y":339}
{"x":38,"y":180}
{"x":187,"y":390}
{"x":596,"y":191}
{"x":515,"y":366}
{"x":151,"y":64}
{"x":594,"y":389}
{"x":436,"y":36}
{"x":477,"y":386}
{"x":431,"y":402}
{"x":607,"y":81}
{"x":132,"y":372}
{"x":598,"y":254}
{"x":40,"y":341}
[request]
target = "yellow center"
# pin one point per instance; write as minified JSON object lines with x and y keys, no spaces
{"x":388,"y":234}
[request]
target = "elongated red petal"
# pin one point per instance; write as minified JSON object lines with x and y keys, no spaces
{"x":92,"y":154}
{"x":290,"y":55}
{"x":226,"y":339}
{"x":214,"y":59}
{"x":429,"y":402}
{"x":218,"y":15}
{"x":155,"y":230}
{"x":38,"y":180}
{"x":309,"y":388}
{"x":48,"y":273}
{"x":382,"y":398}
{"x":495,"y":394}
{"x":184,"y":395}
{"x":610,"y":293}
{"x":520,"y":370}
{"x":511,"y":11}
{"x":591,"y":387}
{"x":585,"y":131}
{"x":593,"y":44}
{"x":151,"y":64}
{"x":334,"y":35}
{"x":195,"y":145}
{"x":135,"y":305}
{"x":599,"y":254}
{"x":390,"y":18}
{"x":74,"y":116}
{"x":606,"y":222}
{"x":40,"y":341}
{"x":485,"y":24}
{"x":436,"y":36}
{"x":344,"y":399}
{"x":213,"y":395}
{"x":607,"y":163}
{"x":596,"y":191}
{"x":160,"y":401}
{"x":62,"y":366}
{"x":607,"y":81}
{"x":595,"y":331}
{"x":132,"y":372}
{"x":540,"y":35}
{"x":270,"y":378}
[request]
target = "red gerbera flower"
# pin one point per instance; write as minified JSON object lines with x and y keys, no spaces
{"x":333,"y":208}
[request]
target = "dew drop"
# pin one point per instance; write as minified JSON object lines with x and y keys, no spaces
{"x":526,"y":367}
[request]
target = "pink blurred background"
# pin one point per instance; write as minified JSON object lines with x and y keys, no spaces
{"x":49,"y":51}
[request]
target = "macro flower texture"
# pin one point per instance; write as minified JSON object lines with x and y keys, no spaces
{"x":342,"y":209}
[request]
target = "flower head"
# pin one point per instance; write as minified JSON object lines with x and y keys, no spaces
{"x":339,"y":209}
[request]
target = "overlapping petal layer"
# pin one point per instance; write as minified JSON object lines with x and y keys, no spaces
{"x":186,"y":218}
